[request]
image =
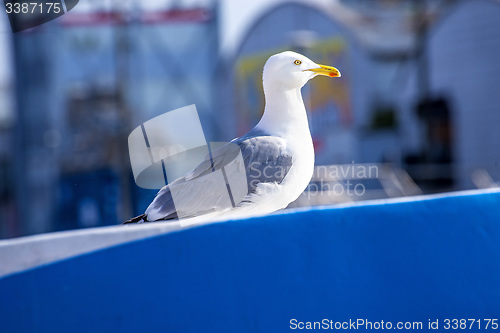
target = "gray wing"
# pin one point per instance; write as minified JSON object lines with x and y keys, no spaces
{"x":265,"y":159}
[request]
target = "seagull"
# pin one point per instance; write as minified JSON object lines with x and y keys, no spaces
{"x":278,"y":153}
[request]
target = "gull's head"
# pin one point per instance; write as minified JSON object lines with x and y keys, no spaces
{"x":292,"y":70}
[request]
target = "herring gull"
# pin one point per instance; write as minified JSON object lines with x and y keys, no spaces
{"x":278,"y":153}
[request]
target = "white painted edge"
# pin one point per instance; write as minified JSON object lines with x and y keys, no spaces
{"x":19,"y":254}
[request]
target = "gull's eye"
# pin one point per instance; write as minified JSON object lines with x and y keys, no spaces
{"x":297,"y":62}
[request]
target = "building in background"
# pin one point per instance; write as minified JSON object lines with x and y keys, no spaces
{"x":463,"y":49}
{"x":83,"y":82}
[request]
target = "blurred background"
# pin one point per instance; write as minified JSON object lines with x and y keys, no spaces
{"x":419,"y":97}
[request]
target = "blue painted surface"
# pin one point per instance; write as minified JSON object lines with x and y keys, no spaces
{"x":409,"y":261}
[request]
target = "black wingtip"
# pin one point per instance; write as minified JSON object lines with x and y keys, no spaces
{"x":137,"y":219}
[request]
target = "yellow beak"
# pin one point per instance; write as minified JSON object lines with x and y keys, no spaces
{"x":325,"y":70}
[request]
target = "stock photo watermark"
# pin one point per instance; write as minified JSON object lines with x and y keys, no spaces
{"x":365,"y":325}
{"x":342,"y":180}
{"x":27,"y":14}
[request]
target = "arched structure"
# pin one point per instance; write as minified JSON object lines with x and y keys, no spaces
{"x":330,"y":102}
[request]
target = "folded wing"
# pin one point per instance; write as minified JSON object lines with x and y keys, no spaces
{"x":205,"y":189}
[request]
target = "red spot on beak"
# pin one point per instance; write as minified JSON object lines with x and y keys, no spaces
{"x":331,"y":74}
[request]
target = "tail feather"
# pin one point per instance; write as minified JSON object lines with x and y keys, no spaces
{"x":137,"y":219}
